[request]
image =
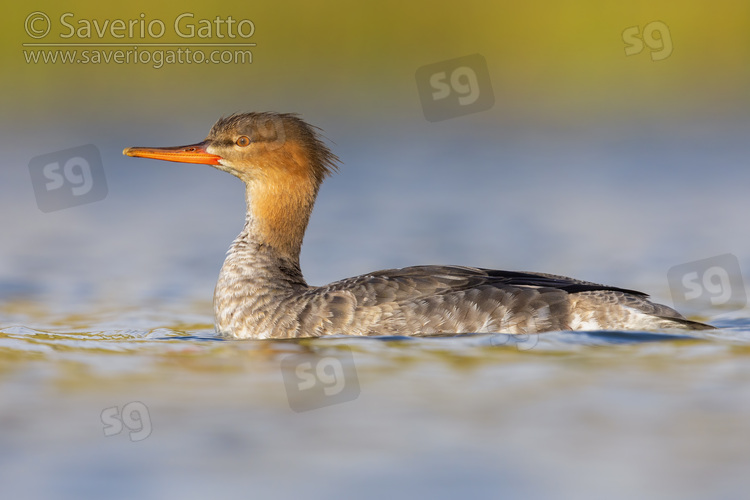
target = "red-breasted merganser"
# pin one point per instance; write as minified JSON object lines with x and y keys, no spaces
{"x":261,"y":292}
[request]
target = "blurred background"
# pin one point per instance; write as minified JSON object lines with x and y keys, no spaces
{"x":609,"y":142}
{"x":589,"y":162}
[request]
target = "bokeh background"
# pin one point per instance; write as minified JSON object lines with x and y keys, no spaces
{"x":591,"y":163}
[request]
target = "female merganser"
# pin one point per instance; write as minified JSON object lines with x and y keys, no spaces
{"x":261,"y":292}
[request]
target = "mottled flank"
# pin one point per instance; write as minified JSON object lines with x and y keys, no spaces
{"x":261,"y":292}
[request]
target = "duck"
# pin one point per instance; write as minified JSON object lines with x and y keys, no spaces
{"x":261,"y":292}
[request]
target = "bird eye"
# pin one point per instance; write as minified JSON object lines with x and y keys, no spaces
{"x":243,"y":141}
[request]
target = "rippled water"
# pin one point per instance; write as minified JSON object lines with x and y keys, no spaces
{"x":113,"y":383}
{"x":596,"y":414}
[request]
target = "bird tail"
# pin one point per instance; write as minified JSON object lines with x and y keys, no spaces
{"x":684,"y":324}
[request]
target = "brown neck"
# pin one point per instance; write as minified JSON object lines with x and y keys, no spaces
{"x":279,"y":207}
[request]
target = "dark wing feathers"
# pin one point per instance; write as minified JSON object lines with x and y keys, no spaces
{"x":570,"y":285}
{"x":418,"y":281}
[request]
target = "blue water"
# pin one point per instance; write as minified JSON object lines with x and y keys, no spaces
{"x":108,"y":305}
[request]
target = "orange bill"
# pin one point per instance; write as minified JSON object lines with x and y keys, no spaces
{"x":194,"y":153}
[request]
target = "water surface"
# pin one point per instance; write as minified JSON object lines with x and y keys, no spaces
{"x":106,"y":307}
